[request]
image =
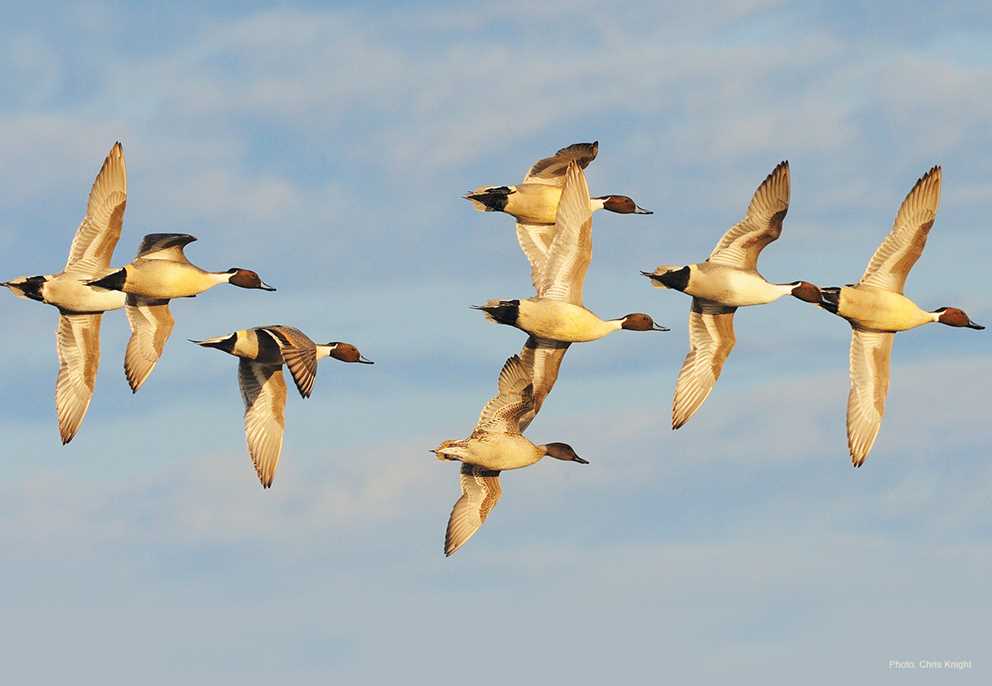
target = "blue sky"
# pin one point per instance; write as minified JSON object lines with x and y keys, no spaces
{"x":327,"y":146}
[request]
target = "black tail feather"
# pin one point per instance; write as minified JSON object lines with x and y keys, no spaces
{"x":112,"y":282}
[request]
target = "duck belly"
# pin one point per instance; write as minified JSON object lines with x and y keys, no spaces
{"x":730,"y":286}
{"x":69,"y":293}
{"x":534,"y":203}
{"x":502,"y":452}
{"x":880,"y":310}
{"x":164,"y":279}
{"x":561,"y":321}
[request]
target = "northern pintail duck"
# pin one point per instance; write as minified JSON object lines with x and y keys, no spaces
{"x":556,"y":317}
{"x":159,"y":273}
{"x":262,"y":352}
{"x":81,"y":306}
{"x":496,"y":445}
{"x":728,"y":279}
{"x":535,"y":200}
{"x":876,"y":309}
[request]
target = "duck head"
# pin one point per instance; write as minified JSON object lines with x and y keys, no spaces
{"x":954,"y":316}
{"x":638,"y":321}
{"x":621,"y":204}
{"x":563,"y":451}
{"x":806,"y":291}
{"x":246,"y":278}
{"x":346,"y":352}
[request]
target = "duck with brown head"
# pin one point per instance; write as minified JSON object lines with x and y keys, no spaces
{"x":246,"y":278}
{"x":496,"y":444}
{"x":955,"y":316}
{"x":620,"y":204}
{"x":877,"y":309}
{"x":263,"y":351}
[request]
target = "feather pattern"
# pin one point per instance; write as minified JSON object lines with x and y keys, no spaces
{"x":551,"y":170}
{"x":870,"y":355}
{"x":762,"y":224}
{"x":77,"y":340}
{"x":97,"y":235}
{"x":894,"y":258}
{"x":263,"y":390}
{"x":711,"y":338}
{"x":151,"y":324}
{"x":480,"y":491}
{"x":568,"y":259}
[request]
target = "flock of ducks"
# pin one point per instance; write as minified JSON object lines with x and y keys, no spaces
{"x":88,"y":286}
{"x":553,"y":212}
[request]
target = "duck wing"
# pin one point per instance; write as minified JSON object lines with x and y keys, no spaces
{"x":151,"y":323}
{"x":564,"y":272}
{"x":264,"y":391}
{"x":77,"y":340}
{"x":504,"y":411}
{"x":870,"y":354}
{"x":711,"y":338}
{"x":542,"y":357}
{"x":902,"y":247}
{"x":762,"y":224}
{"x":480,"y":492}
{"x":97,"y":235}
{"x":299,"y":353}
{"x":551,"y":170}
{"x":165,"y":246}
{"x":535,"y":242}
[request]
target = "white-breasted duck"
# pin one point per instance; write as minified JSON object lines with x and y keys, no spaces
{"x":495,"y":445}
{"x":728,"y":279}
{"x":876,"y":309}
{"x":535,"y":200}
{"x":81,"y":306}
{"x":159,"y":273}
{"x":262,"y":351}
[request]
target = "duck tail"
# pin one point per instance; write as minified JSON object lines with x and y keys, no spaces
{"x":489,"y":198}
{"x":669,"y":276}
{"x":26,"y":287}
{"x":114,"y":281}
{"x":501,"y":311}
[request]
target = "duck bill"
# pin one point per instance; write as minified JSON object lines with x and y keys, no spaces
{"x":266,"y":287}
{"x":579,"y":460}
{"x":640,"y":210}
{"x":659,"y":327}
{"x":973,"y":325}
{"x":364,"y":360}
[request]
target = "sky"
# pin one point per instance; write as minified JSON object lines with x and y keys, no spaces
{"x":327,"y":146}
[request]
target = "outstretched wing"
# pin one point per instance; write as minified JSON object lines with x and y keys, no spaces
{"x":151,"y":324}
{"x":711,"y":338}
{"x":535,"y":241}
{"x":870,"y":354}
{"x":97,"y":235}
{"x":902,"y":247}
{"x":164,"y":246}
{"x":480,"y":491}
{"x":264,"y":391}
{"x":543,"y":358}
{"x":503,"y":412}
{"x":568,"y":260}
{"x":551,"y":170}
{"x":299,"y":353}
{"x":762,"y":224}
{"x":77,"y":339}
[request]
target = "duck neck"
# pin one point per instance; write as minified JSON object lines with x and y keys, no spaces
{"x":324,"y":351}
{"x":780,"y":290}
{"x":597,"y":203}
